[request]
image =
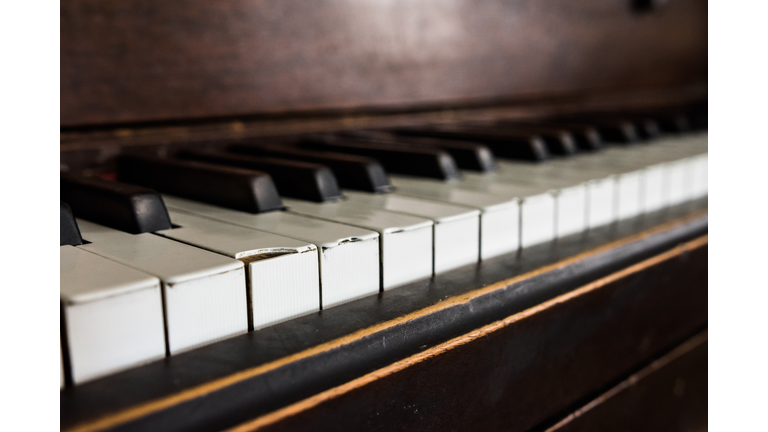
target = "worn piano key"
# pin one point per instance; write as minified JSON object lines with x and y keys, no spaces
{"x":282,"y":275}
{"x":468,"y":155}
{"x":296,"y":179}
{"x":69,"y":233}
{"x":406,"y":241}
{"x":422,"y":162}
{"x":121,"y":206}
{"x":204,"y":292}
{"x":349,"y":256}
{"x":456,"y":232}
{"x":112,"y":315}
{"x":504,"y":144}
{"x":351,"y":171}
{"x":231,"y":187}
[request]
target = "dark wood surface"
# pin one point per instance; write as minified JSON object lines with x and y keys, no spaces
{"x":513,"y":374}
{"x":235,"y":380}
{"x":670,"y":394}
{"x":146,"y":61}
{"x":93,"y":150}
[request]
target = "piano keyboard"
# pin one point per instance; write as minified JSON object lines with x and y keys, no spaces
{"x":187,"y":251}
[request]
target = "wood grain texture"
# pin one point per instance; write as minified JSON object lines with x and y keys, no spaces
{"x":513,"y":374}
{"x":144,"y":61}
{"x":670,"y":394}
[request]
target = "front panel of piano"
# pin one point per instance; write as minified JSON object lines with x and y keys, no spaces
{"x":592,"y":329}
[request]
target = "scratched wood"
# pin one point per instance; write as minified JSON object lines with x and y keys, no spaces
{"x":144,"y":61}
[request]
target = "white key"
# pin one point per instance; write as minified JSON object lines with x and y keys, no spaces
{"x":113,"y":314}
{"x":629,"y":198}
{"x":204,"y":292}
{"x":678,"y":181}
{"x":537,"y":208}
{"x":349,"y":256}
{"x":499,"y":216}
{"x":654,"y":197}
{"x":601,"y":197}
{"x":406,"y":241}
{"x":699,"y":174}
{"x":571,"y":214}
{"x":570,"y":201}
{"x":670,"y":168}
{"x":282,"y":275}
{"x":582,"y":198}
{"x":456,"y":232}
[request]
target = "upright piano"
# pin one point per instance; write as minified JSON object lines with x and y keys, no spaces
{"x":383,"y":215}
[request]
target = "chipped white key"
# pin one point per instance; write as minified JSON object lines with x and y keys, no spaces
{"x":349,"y":256}
{"x":112,"y":314}
{"x":281,"y":274}
{"x":406,"y":241}
{"x":499,"y":216}
{"x":456,"y":232}
{"x":204,"y":292}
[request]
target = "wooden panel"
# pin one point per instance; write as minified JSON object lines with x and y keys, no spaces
{"x":670,"y":394}
{"x":515,"y":373}
{"x":140,"y":60}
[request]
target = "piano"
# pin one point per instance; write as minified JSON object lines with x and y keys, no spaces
{"x":339,"y":215}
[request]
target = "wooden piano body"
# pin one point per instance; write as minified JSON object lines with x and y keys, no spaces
{"x":602,"y":331}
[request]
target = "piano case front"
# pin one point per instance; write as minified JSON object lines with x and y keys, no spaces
{"x":603,"y":331}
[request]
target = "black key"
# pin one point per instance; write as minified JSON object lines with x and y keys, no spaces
{"x":647,"y":127}
{"x":431,"y":163}
{"x":121,"y":206}
{"x":234,"y":188}
{"x":559,"y":142}
{"x":468,"y":155}
{"x":672,"y":122}
{"x":508,"y":145}
{"x":69,"y":233}
{"x":698,"y":116}
{"x":351,"y":171}
{"x":301,"y":180}
{"x":612,"y":131}
{"x":586,"y":137}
